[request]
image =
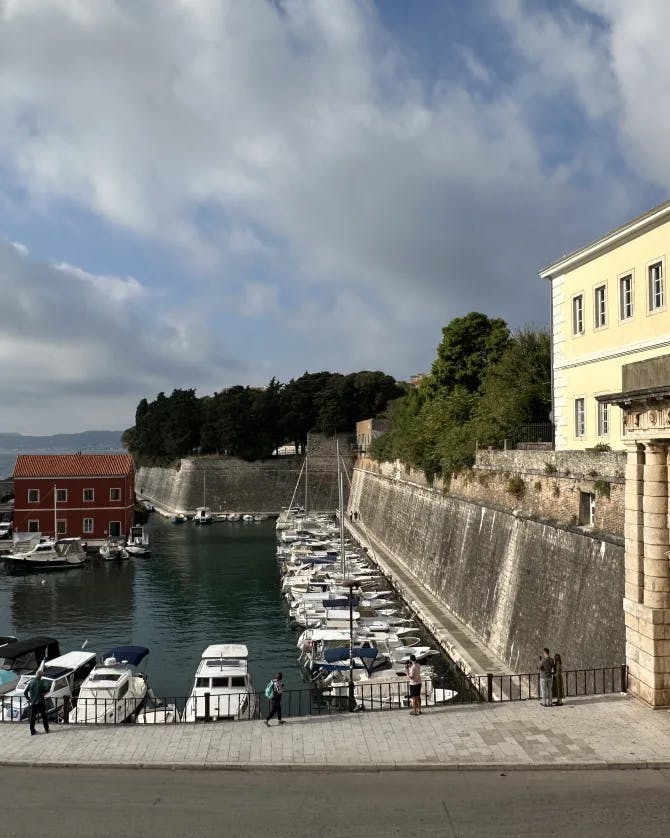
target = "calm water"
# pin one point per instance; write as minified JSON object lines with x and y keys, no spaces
{"x":201,"y":585}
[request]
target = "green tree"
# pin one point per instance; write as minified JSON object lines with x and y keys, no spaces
{"x":469,"y":346}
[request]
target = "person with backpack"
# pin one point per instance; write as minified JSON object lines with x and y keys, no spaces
{"x":273,"y":692}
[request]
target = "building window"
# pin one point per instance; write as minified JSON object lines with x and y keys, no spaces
{"x":61,"y":526}
{"x":33,"y":495}
{"x":61,"y":495}
{"x":33,"y":526}
{"x":600,"y":306}
{"x":587,"y":509}
{"x":578,"y":315}
{"x":88,"y":526}
{"x":89,"y":495}
{"x":580,"y":425}
{"x":655,"y":286}
{"x":626,"y":296}
{"x":115,"y":494}
{"x":603,"y":419}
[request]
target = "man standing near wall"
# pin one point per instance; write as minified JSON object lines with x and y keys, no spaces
{"x":546,"y":669}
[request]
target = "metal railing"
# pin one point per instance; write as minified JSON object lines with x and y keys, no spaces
{"x":367,"y":696}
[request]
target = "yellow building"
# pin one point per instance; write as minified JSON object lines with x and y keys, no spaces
{"x":608,"y":308}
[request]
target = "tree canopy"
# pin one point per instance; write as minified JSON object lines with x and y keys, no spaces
{"x":252,"y":422}
{"x":484,"y":385}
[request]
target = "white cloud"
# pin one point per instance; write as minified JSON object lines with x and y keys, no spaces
{"x":305,"y":175}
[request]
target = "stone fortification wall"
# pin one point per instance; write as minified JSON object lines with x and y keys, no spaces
{"x":520,"y":584}
{"x":232,"y":485}
{"x":544,"y":485}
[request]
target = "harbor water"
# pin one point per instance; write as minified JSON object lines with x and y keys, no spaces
{"x":201,"y":585}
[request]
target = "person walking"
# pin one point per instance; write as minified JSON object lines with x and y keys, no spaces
{"x":546,"y":668}
{"x":275,"y":701}
{"x":413,"y":671}
{"x":558,"y":688}
{"x":35,"y":692}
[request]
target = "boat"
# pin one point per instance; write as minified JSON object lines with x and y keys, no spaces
{"x":155,"y":711}
{"x":233,"y":517}
{"x":24,"y":656}
{"x":137,"y":543}
{"x":62,"y":676}
{"x":259,"y":516}
{"x":113,"y":549}
{"x":203,"y":515}
{"x":247,"y":517}
{"x":178,"y":518}
{"x":222,"y":681}
{"x":115,"y":690}
{"x":32,"y":551}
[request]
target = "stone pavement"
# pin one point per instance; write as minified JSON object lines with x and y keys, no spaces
{"x":614,"y":731}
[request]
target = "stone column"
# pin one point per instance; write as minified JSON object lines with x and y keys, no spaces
{"x":647,"y":649}
{"x":655,"y":521}
{"x":633,"y":525}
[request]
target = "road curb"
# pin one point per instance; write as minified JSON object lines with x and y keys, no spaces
{"x":320,"y":768}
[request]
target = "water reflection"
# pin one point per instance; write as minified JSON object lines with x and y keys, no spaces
{"x":201,"y":585}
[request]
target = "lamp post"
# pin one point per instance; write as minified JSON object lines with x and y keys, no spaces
{"x":351,"y":584}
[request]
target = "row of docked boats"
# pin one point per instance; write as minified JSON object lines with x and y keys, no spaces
{"x":34,"y":551}
{"x":204,"y":515}
{"x":355,"y":636}
{"x":84,"y":688}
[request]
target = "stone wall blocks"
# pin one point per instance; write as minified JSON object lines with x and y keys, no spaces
{"x":656,"y":600}
{"x":656,"y":534}
{"x":656,"y":504}
{"x":656,"y":569}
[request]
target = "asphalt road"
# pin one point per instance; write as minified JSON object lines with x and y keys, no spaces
{"x":37,"y":802}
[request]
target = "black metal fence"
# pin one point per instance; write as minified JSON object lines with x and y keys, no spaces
{"x":366,"y":696}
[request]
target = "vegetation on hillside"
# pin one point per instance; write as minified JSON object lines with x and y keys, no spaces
{"x":251,"y":422}
{"x":484,"y":385}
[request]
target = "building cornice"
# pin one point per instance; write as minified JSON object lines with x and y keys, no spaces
{"x":630,"y":230}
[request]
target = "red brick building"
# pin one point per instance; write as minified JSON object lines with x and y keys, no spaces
{"x":87,"y":495}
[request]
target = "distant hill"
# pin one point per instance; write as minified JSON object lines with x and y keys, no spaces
{"x":88,"y":442}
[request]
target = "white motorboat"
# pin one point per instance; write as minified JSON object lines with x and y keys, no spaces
{"x":233,"y":517}
{"x":113,"y":549}
{"x":203,"y":515}
{"x":62,"y":676}
{"x":157,"y":712}
{"x":178,"y":518}
{"x":115,"y":690}
{"x":137,"y":543}
{"x":247,"y":517}
{"x":222,"y":688}
{"x":32,"y":551}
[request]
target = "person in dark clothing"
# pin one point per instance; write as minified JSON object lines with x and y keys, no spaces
{"x":546,"y":669}
{"x":35,"y":692}
{"x":275,"y":701}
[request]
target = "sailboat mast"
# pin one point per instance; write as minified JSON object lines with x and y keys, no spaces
{"x":305,"y":464}
{"x":340,"y":495}
{"x":55,"y":514}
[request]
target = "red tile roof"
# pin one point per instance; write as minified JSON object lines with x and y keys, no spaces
{"x":72,"y":465}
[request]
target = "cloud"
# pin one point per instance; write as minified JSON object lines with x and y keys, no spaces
{"x":74,"y":345}
{"x":322,"y":200}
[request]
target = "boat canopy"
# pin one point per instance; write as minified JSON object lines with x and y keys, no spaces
{"x":134,"y":655}
{"x":341,"y":653}
{"x":41,"y":646}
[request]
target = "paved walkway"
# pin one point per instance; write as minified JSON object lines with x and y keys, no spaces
{"x":596,"y":732}
{"x":455,"y":637}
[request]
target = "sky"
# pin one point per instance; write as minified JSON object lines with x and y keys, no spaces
{"x":203,"y":193}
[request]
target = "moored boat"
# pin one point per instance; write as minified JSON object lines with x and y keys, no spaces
{"x":114,"y":549}
{"x":203,"y":515}
{"x":115,"y":690}
{"x":222,"y":688}
{"x":137,"y":543}
{"x":34,"y":552}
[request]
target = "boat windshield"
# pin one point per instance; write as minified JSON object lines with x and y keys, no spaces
{"x":106,"y":676}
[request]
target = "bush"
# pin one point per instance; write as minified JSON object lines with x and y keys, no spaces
{"x":593,"y":473}
{"x":602,"y":488}
{"x":516,"y":486}
{"x":538,"y":485}
{"x":550,"y":468}
{"x":601,"y":447}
